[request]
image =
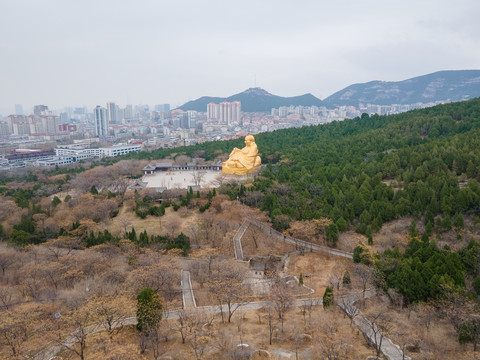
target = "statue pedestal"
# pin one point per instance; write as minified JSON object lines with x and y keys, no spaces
{"x":241,"y":179}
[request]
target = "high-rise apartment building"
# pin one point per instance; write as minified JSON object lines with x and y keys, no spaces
{"x":112,"y":113}
{"x":236,"y":111}
{"x":18,"y":109}
{"x":4,"y":129}
{"x":192,"y":118}
{"x":40,"y":109}
{"x":128,"y":112}
{"x":101,"y":121}
{"x":162,"y":107}
{"x":212,"y":111}
{"x":50,"y":124}
{"x":225,"y":112}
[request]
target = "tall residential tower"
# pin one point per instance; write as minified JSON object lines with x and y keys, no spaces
{"x":101,"y":121}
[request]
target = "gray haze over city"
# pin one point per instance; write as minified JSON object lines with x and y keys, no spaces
{"x":84,"y":53}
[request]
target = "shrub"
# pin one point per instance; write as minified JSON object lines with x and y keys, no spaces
{"x":361,"y":254}
{"x":476,"y":285}
{"x":281,"y":222}
{"x":328,"y":297}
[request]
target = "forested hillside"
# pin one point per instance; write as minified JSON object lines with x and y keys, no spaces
{"x":365,"y":172}
{"x":401,"y":192}
{"x":369,"y":170}
{"x":342,"y":170}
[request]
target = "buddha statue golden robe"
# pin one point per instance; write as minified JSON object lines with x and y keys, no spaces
{"x":242,"y":161}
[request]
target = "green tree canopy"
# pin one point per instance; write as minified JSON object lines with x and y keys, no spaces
{"x":149,"y":309}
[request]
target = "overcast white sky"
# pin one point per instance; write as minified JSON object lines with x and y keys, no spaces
{"x":88,"y":52}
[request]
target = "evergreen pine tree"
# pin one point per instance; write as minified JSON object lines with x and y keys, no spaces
{"x":149,"y":309}
{"x":328,"y":297}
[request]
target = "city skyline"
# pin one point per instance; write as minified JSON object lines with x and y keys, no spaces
{"x":73,"y":54}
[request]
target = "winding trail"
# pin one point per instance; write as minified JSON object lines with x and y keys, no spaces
{"x":346,"y":302}
{"x":281,"y":237}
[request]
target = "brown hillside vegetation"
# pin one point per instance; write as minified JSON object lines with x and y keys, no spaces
{"x":89,"y":258}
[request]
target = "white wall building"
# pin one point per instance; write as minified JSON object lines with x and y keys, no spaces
{"x":226,"y":112}
{"x":79,"y":152}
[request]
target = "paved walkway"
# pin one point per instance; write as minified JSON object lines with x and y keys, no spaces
{"x":297,"y":242}
{"x":52,"y":350}
{"x":187,"y":291}
{"x":388,"y":348}
{"x":237,"y":240}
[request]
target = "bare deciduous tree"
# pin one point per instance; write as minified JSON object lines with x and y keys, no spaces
{"x":253,"y":198}
{"x":335,"y":280}
{"x":226,"y":283}
{"x":364,"y":273}
{"x":207,"y":226}
{"x":219,"y":179}
{"x":7,"y":259}
{"x":252,"y":231}
{"x":307,"y":307}
{"x":183,"y":324}
{"x":6,"y":296}
{"x":172,"y":226}
{"x":271,"y":320}
{"x":13,"y":333}
{"x":52,"y":273}
{"x":281,"y":297}
{"x":119,"y":186}
{"x":82,"y":323}
{"x":111,"y":313}
{"x":200,"y":334}
{"x":348,"y":306}
{"x":198,"y":176}
{"x":378,"y":324}
{"x":330,"y":343}
{"x":161,"y":275}
{"x":426,"y":314}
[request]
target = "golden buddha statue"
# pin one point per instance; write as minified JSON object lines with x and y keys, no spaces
{"x":242,"y":161}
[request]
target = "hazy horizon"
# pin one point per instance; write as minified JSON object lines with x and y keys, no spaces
{"x":65,"y":53}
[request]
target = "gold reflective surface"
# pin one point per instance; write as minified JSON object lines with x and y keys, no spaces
{"x":242,"y":161}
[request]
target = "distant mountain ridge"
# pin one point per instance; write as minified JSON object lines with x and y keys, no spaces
{"x":454,"y":85}
{"x":254,"y":99}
